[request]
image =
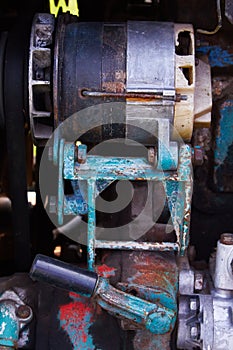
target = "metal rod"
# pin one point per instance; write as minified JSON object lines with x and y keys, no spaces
{"x":139,"y":95}
{"x":132,"y":245}
{"x":91,"y":183}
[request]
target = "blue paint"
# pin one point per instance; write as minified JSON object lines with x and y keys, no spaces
{"x":157,"y":318}
{"x":218,"y":57}
{"x":156,"y":294}
{"x":98,"y":172}
{"x":9,"y":325}
{"x":76,"y":319}
{"x":91,"y":224}
{"x":225,"y":136}
{"x":60,"y":183}
{"x":223,"y":148}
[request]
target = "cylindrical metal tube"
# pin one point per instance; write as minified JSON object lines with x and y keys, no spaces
{"x":64,"y":275}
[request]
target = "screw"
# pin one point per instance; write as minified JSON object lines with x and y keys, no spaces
{"x":23,"y":312}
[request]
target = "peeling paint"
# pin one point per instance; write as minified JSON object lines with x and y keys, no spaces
{"x":75,"y":319}
{"x":105,"y":271}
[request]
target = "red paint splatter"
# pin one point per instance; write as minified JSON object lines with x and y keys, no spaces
{"x":105,"y":271}
{"x":76,"y":318}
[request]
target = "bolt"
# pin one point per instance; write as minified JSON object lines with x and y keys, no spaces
{"x":194,"y":332}
{"x":197,"y":155}
{"x":226,"y":238}
{"x":199,"y":281}
{"x":193,"y":304}
{"x":152,"y":155}
{"x":82,"y":154}
{"x":23,"y":312}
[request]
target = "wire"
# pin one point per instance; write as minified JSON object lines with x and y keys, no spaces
{"x":219,"y":25}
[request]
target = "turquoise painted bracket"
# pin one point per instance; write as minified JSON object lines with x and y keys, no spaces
{"x":98,"y":172}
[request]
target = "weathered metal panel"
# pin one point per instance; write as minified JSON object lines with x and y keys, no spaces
{"x":150,"y":56}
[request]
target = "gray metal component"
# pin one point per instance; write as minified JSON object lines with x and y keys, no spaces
{"x":229,"y":10}
{"x":223,"y":277}
{"x":39,"y":76}
{"x":223,"y":327}
{"x":150,"y":68}
{"x":205,"y":320}
{"x":186,"y":276}
{"x":188,"y":327}
{"x":150,"y":63}
{"x":167,"y":151}
{"x":207,"y":326}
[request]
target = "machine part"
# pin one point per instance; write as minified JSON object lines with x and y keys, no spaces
{"x":167,"y":151}
{"x":177,"y":185}
{"x":202,"y":94}
{"x":64,"y":275}
{"x":185,"y":80}
{"x":140,"y":95}
{"x":14,"y":316}
{"x":120,"y":67}
{"x":186,"y":276}
{"x":155,"y":317}
{"x":223,"y":277}
{"x":205,"y":320}
{"x":40,"y":63}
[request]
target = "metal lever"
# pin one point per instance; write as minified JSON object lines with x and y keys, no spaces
{"x":155,"y":317}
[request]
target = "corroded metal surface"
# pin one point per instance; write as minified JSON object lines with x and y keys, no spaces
{"x":223,"y":165}
{"x":14,"y":316}
{"x":153,"y":277}
{"x":40,"y":62}
{"x":76,"y":319}
{"x":177,"y":185}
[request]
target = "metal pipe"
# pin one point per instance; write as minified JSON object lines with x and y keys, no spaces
{"x":63,"y":275}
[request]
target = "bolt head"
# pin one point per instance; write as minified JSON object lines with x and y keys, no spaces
{"x":23,"y":312}
{"x":199,"y":281}
{"x":194,"y":332}
{"x":198,"y":155}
